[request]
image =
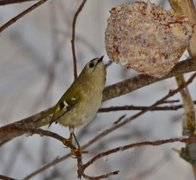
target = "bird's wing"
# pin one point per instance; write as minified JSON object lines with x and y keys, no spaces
{"x":62,"y":107}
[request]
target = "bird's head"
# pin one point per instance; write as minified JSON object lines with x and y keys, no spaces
{"x":94,"y":70}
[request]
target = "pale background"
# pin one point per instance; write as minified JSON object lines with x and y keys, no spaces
{"x":36,"y":69}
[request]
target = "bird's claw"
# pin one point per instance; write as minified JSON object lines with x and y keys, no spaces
{"x":76,"y":152}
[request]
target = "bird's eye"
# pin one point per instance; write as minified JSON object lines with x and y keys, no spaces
{"x":91,"y":64}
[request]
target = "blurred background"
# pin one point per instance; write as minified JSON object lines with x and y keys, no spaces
{"x":35,"y":70}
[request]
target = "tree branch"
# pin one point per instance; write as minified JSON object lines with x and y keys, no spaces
{"x":137,"y":108}
{"x":19,"y":16}
{"x":131,"y":84}
{"x":73,"y":37}
{"x":42,"y":118}
{"x":6,"y":2}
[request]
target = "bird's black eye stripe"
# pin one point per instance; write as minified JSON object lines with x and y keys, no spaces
{"x":91,"y":64}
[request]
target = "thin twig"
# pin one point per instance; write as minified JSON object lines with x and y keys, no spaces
{"x":73,"y":37}
{"x":42,"y":118}
{"x":116,"y":126}
{"x":128,"y":120}
{"x":6,"y":2}
{"x":120,"y":119}
{"x":42,"y":133}
{"x":139,"y":144}
{"x":137,"y":108}
{"x":134,"y":83}
{"x":171,"y":101}
{"x":45,"y":167}
{"x":103,"y":176}
{"x":16,"y":18}
{"x":6,"y":178}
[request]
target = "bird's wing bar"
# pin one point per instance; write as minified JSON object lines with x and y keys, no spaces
{"x":63,"y":107}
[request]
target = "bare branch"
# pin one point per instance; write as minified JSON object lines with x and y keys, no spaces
{"x":187,"y":8}
{"x":19,"y":16}
{"x":5,"y":2}
{"x":128,"y":120}
{"x":139,"y":144}
{"x":45,"y":167}
{"x":6,"y":178}
{"x":137,"y":108}
{"x":43,"y":118}
{"x":73,"y":37}
{"x":131,"y":84}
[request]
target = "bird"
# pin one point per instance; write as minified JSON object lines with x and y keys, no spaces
{"x":81,"y":101}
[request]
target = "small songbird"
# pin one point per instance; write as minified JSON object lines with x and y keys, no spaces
{"x":82,"y":100}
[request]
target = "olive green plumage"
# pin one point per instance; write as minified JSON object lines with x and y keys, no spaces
{"x":82,"y":100}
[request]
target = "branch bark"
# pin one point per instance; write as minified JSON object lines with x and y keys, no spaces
{"x":131,"y":84}
{"x":187,"y":9}
{"x":19,"y":16}
{"x":42,"y":118}
{"x":6,"y":2}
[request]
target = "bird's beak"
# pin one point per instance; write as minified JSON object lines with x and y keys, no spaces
{"x":100,"y":59}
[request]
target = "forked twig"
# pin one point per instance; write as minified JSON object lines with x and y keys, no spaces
{"x":129,"y":146}
{"x":118,"y":125}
